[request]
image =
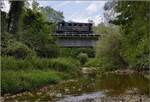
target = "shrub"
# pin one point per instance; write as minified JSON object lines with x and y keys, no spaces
{"x":11,"y":63}
{"x":48,"y":51}
{"x":17,"y":81}
{"x":82,"y":58}
{"x":17,"y":49}
{"x":94,"y":62}
{"x":64,"y":64}
{"x":74,"y":52}
{"x":108,"y":48}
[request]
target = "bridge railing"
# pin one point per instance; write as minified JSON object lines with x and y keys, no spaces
{"x":75,"y":34}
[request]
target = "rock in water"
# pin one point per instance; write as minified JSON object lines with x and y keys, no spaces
{"x":89,"y":72}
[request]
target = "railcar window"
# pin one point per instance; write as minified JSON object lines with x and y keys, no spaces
{"x":70,"y":24}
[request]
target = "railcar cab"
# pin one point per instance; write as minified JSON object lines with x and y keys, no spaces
{"x":74,"y":28}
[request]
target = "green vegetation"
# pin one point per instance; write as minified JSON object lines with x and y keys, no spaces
{"x":19,"y":81}
{"x":35,"y":63}
{"x":30,"y":57}
{"x":108,"y":48}
{"x":74,"y":52}
{"x":83,"y":57}
{"x":26,"y":74}
{"x":124,"y":42}
{"x":94,"y":62}
{"x":51,"y":15}
{"x":16,"y":49}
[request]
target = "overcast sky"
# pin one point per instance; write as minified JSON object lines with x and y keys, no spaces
{"x":78,"y":11}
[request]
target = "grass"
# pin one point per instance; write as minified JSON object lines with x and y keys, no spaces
{"x":35,"y":63}
{"x":30,"y":73}
{"x":94,"y":62}
{"x":18,"y":81}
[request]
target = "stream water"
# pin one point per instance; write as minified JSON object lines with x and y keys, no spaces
{"x":86,"y":89}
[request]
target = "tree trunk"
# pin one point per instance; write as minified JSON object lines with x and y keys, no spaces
{"x":15,"y":13}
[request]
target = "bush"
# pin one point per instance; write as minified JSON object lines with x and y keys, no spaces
{"x":65,"y":64}
{"x":74,"y":52}
{"x":94,"y":62}
{"x":83,"y":57}
{"x":11,"y":63}
{"x":108,"y":49}
{"x":17,"y":49}
{"x":48,"y":51}
{"x":18,"y":81}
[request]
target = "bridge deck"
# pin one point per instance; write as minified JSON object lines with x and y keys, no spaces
{"x":76,"y":40}
{"x":72,"y":36}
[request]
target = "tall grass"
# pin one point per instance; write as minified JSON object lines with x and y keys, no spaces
{"x":34,"y":63}
{"x":94,"y":62}
{"x":17,"y":81}
{"x":29,"y":73}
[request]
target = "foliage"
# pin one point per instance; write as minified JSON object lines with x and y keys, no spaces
{"x":108,"y":48}
{"x":134,"y":19}
{"x":37,"y":34}
{"x":28,"y":26}
{"x":74,"y":52}
{"x":3,"y":22}
{"x":52,"y":15}
{"x":18,"y":81}
{"x":35,"y":63}
{"x":32,"y":72}
{"x":94,"y":62}
{"x":16,"y":49}
{"x":26,"y":41}
{"x":48,"y":51}
{"x":83,"y":57}
{"x":15,"y":16}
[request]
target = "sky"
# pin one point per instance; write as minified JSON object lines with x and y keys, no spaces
{"x":77,"y":11}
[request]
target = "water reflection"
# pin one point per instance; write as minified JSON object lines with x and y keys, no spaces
{"x":85,"y":88}
{"x":118,"y":84}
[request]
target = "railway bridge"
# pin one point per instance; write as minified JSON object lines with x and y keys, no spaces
{"x":73,"y":34}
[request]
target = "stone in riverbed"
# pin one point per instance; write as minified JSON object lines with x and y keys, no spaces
{"x":58,"y":95}
{"x":89,"y":72}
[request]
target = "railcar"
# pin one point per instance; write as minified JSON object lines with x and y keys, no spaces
{"x":74,"y":28}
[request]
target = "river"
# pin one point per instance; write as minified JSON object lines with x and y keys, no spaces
{"x":87,"y":89}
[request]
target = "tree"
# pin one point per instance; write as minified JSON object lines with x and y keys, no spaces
{"x":37,"y":33}
{"x":52,"y":15}
{"x":15,"y":16}
{"x":133,"y":17}
{"x":108,"y":47}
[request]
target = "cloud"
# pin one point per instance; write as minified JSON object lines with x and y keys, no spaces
{"x":5,"y":6}
{"x":84,"y":19}
{"x":62,"y":4}
{"x":95,"y":6}
{"x":92,"y":8}
{"x":77,"y":1}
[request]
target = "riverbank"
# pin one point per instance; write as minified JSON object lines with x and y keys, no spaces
{"x":146,"y":74}
{"x":20,"y":75}
{"x":105,"y":88}
{"x":128,"y":71}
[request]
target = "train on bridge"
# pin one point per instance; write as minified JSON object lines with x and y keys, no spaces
{"x":74,"y":28}
{"x":74,"y":34}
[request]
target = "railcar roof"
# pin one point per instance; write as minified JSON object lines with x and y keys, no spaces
{"x":74,"y":22}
